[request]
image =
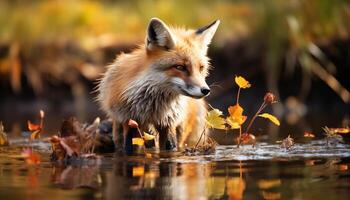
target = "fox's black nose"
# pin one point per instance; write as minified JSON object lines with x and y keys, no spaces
{"x":205,"y":91}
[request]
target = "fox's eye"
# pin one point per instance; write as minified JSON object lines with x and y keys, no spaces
{"x":180,"y":68}
{"x":201,"y":68}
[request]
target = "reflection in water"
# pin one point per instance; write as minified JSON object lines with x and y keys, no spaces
{"x":69,"y":177}
{"x":116,"y":177}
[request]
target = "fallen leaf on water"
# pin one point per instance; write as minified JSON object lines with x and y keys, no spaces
{"x":214,"y":119}
{"x":308,"y":135}
{"x":138,"y":141}
{"x":242,"y":82}
{"x":236,"y":118}
{"x":272,"y":118}
{"x":3,"y":136}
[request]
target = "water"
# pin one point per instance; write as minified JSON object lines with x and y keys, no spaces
{"x":307,"y":171}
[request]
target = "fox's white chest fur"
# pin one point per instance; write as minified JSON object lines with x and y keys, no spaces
{"x":150,"y":100}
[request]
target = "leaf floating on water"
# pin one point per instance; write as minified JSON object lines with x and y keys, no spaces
{"x":272,"y":118}
{"x":242,"y":82}
{"x":214,"y":119}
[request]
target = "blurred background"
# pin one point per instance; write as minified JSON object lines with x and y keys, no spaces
{"x":52,"y":53}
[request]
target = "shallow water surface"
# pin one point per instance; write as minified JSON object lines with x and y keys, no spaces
{"x":307,"y":171}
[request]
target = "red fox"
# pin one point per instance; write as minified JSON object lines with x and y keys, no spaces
{"x":161,"y":85}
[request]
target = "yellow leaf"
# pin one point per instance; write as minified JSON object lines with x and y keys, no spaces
{"x":214,"y":119}
{"x":137,"y":141}
{"x":241,"y":82}
{"x":271,"y":118}
{"x":232,"y":123}
{"x":147,"y":136}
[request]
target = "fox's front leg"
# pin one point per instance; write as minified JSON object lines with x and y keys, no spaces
{"x":118,"y":137}
{"x":167,"y":140}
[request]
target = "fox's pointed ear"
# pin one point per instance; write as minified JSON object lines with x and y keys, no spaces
{"x":159,"y":35}
{"x":206,"y":33}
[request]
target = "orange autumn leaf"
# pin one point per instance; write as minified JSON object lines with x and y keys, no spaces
{"x":272,"y":118}
{"x":33,"y":127}
{"x":308,"y":135}
{"x":242,"y":82}
{"x":236,"y":118}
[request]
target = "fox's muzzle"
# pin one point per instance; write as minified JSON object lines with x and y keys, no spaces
{"x":191,"y":90}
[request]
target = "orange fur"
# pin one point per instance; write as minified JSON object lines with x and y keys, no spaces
{"x":149,"y":84}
